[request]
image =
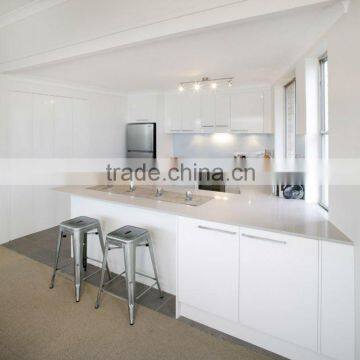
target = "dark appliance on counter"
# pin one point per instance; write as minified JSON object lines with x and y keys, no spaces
{"x":212,"y":181}
{"x":289,"y":185}
{"x":141,"y":140}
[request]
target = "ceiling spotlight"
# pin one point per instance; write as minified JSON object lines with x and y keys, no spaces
{"x":214,"y":85}
{"x":181,"y":88}
{"x":197,"y":86}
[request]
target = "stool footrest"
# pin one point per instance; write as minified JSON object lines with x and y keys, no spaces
{"x":96,"y":260}
{"x":115,"y":277}
{"x":144,"y":275}
{"x":66,"y":264}
{"x":145,"y":291}
{"x":88,"y":276}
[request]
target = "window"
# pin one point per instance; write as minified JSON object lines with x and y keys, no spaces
{"x":290,"y":119}
{"x":324,"y":131}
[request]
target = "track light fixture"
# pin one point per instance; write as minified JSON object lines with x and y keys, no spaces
{"x":205,"y":82}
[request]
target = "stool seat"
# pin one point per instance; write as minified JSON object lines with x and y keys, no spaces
{"x":79,"y":223}
{"x":127,"y":234}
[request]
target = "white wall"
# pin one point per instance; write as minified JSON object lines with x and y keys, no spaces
{"x":343,"y":48}
{"x":42,"y":120}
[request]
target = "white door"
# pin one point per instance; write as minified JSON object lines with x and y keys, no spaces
{"x":173,"y":111}
{"x":43,"y":126}
{"x":208,"y":109}
{"x":81,"y":125}
{"x":208,"y":267}
{"x":20,"y":125}
{"x":222,"y":111}
{"x":63,"y":127}
{"x":247,"y":112}
{"x":279,"y":286}
{"x":337,"y":301}
{"x":190,"y":111}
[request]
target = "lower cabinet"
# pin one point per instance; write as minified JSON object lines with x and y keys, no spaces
{"x":337,"y":319}
{"x":291,"y":295}
{"x":208,"y":267}
{"x":279,"y":282}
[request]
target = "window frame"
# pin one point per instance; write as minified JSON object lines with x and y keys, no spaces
{"x":324,"y":125}
{"x":286,"y":86}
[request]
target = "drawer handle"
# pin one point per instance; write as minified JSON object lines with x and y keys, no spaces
{"x":217,"y":230}
{"x":264,"y":239}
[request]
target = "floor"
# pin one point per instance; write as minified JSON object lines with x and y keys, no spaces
{"x":41,"y":247}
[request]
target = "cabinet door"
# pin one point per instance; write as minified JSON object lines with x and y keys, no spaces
{"x":208,"y":267}
{"x":63,"y":127}
{"x":208,"y":109}
{"x":279,"y":286}
{"x":190,"y":111}
{"x":173,"y":111}
{"x":337,"y":301}
{"x":20,"y":125}
{"x":143,"y":107}
{"x":247,"y":112}
{"x":81,"y":123}
{"x":43,"y":126}
{"x":222,"y":110}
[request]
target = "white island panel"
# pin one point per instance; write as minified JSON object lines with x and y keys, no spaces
{"x":112,"y":215}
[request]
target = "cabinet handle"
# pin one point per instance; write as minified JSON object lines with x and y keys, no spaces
{"x":207,"y":126}
{"x":217,"y":230}
{"x":264,"y":239}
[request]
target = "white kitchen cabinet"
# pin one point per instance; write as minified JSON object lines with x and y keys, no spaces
{"x":20,"y":125}
{"x":143,"y":107}
{"x":208,"y":267}
{"x":63,"y":127}
{"x":279,"y":286}
{"x":173,"y":112}
{"x":43,"y":127}
{"x":222,"y":121}
{"x":337,"y":320}
{"x":81,"y":126}
{"x":247,"y":111}
{"x":190,"y":111}
{"x":208,"y":110}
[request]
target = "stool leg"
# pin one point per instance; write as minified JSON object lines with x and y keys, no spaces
{"x":103,"y":248}
{"x":84,"y":257}
{"x":57,"y":255}
{"x":77,"y":246}
{"x":151,"y":250}
{"x":101,"y":285}
{"x":130,"y":263}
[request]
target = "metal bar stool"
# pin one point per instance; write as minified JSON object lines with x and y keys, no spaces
{"x":78,"y":228}
{"x":129,"y":238}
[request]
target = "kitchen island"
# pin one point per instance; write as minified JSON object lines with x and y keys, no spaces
{"x":269,"y":271}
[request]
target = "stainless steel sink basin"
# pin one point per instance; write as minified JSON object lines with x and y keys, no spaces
{"x":149,"y":192}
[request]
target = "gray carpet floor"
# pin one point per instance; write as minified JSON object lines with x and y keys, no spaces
{"x":37,"y":323}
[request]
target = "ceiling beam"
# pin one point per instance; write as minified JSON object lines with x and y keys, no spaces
{"x":236,"y":11}
{"x":27,"y":10}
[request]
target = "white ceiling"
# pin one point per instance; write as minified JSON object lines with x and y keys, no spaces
{"x":10,"y":5}
{"x":257,"y":51}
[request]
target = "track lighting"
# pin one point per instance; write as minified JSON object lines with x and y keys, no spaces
{"x":205,"y":81}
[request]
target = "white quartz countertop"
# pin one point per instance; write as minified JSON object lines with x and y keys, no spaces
{"x":252,"y":208}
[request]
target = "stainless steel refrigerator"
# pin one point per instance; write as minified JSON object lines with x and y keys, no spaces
{"x":141,"y":140}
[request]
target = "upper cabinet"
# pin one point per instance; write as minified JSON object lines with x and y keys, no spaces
{"x":247,"y":111}
{"x":172,"y":112}
{"x":190,"y":111}
{"x":234,"y":110}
